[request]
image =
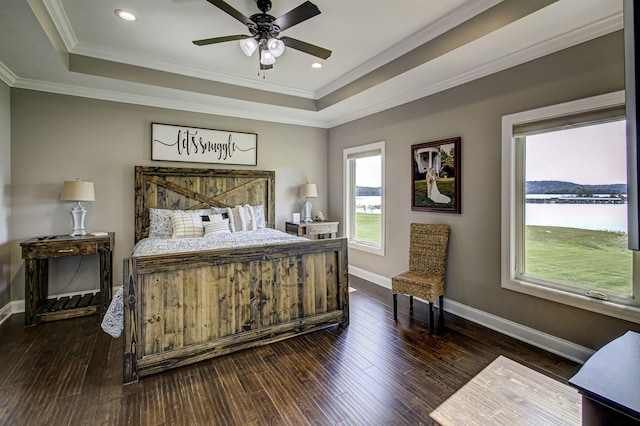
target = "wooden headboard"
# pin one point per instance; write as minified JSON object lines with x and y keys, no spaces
{"x":189,"y":189}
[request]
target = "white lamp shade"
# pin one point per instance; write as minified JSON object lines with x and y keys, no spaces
{"x":266,"y":58}
{"x":248,"y":46}
{"x":308,"y":190}
{"x":276,"y":47}
{"x":78,"y":191}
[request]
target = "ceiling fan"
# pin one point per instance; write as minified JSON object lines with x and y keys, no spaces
{"x":265,"y":30}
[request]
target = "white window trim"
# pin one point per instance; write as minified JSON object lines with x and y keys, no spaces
{"x":375,"y":146}
{"x":509,"y":209}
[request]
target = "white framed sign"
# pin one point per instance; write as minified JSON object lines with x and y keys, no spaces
{"x":192,"y":144}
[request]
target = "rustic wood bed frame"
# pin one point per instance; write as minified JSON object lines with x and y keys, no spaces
{"x":186,"y":307}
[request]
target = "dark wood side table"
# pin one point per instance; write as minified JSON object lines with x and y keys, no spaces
{"x":38,"y":307}
{"x":313,"y":229}
{"x":610,"y":383}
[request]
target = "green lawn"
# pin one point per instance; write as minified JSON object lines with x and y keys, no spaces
{"x":597,"y":259}
{"x":368,"y":227}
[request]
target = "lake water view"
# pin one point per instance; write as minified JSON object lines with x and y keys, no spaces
{"x":599,"y":217}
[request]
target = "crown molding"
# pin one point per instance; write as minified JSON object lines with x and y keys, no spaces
{"x":7,"y":75}
{"x":110,"y":55}
{"x":63,"y":26}
{"x":61,"y":22}
{"x":462,"y":14}
{"x":547,"y":47}
{"x":166,"y":99}
{"x":465,"y":12}
{"x":255,"y":111}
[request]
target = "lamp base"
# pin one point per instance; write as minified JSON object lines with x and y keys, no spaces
{"x":78,"y":213}
{"x":306,"y":211}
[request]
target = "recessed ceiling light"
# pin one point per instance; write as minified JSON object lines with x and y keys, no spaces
{"x":124,"y":15}
{"x":316,"y":65}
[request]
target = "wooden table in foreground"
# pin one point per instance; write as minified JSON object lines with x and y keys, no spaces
{"x":37,"y":252}
{"x":508,"y":393}
{"x":610,"y":383}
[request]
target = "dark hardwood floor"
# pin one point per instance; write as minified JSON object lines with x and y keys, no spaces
{"x":374,"y":372}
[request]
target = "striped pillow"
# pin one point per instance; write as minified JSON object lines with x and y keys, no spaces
{"x":187,"y":225}
{"x":217,"y":227}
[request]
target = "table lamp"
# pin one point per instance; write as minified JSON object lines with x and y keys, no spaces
{"x":77,"y":190}
{"x":307,"y":190}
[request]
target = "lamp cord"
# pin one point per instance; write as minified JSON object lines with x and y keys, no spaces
{"x":73,"y":277}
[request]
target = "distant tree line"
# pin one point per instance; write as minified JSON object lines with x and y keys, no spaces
{"x":367,"y":191}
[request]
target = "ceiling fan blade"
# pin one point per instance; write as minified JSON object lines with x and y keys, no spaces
{"x":221,"y":4}
{"x":213,"y":40}
{"x":306,"y":47}
{"x":301,"y":13}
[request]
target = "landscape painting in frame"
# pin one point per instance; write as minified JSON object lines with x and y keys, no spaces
{"x":435,"y":183}
{"x":196,"y":145}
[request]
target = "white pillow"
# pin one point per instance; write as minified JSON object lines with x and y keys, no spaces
{"x":247,"y":215}
{"x":216,"y":218}
{"x":216,"y":227}
{"x":211,"y":218}
{"x":187,"y":225}
{"x":236,"y":221}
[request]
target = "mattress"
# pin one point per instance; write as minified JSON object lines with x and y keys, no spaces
{"x":259,"y":237}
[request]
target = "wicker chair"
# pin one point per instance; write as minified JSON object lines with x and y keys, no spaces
{"x":428,"y":246}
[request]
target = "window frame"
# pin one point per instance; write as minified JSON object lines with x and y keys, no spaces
{"x":512,"y":208}
{"x":350,"y":154}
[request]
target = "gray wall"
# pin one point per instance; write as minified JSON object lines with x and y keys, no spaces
{"x":473,"y":112}
{"x":57,"y":138}
{"x":5,"y":193}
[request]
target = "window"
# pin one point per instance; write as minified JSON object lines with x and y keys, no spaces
{"x":364,"y":197}
{"x":564,"y":213}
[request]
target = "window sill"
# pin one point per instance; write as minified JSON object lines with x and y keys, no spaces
{"x":368,"y":248}
{"x":604,"y":307}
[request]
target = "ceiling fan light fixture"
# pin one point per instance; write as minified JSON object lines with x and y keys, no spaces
{"x":267,"y":58}
{"x":248,"y":46}
{"x":265,"y":31}
{"x":125,"y":15}
{"x":275,"y":46}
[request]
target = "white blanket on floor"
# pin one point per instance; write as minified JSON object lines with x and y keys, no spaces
{"x":112,"y":323}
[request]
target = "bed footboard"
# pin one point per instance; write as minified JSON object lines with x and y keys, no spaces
{"x":180,"y":309}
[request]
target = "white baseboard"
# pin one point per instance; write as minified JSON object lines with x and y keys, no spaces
{"x":6,"y":312}
{"x":529,"y":335}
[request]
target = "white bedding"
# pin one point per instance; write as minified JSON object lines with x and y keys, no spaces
{"x":259,"y":237}
{"x":112,"y":323}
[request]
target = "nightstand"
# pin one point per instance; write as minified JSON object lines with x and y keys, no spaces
{"x":319,"y":230}
{"x":38,"y":307}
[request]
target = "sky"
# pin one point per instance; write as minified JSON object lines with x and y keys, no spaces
{"x":585,"y":155}
{"x":368,"y":171}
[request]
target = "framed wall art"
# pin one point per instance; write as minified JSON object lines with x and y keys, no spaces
{"x":192,"y":144}
{"x":435,"y":182}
